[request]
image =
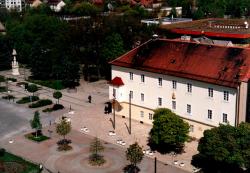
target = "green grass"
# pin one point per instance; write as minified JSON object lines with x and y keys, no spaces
{"x":38,"y":138}
{"x":29,"y":167}
{"x":27,"y":100}
{"x":54,"y":84}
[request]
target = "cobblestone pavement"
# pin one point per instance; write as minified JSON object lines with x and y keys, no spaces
{"x":92,"y":116}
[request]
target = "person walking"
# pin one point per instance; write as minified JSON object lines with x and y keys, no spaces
{"x":89,"y":98}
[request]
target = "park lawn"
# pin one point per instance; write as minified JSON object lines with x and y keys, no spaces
{"x":29,"y":167}
{"x":54,"y":84}
{"x":39,"y":138}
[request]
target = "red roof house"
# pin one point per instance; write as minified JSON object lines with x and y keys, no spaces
{"x":226,"y":66}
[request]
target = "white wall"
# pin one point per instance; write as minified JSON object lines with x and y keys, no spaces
{"x":198,"y":99}
{"x":13,"y":4}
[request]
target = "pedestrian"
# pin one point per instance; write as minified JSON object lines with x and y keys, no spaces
{"x":89,"y":98}
{"x":105,"y":109}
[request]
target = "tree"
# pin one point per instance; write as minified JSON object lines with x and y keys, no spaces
{"x":134,"y":154}
{"x":5,"y":52}
{"x":32,"y":88}
{"x":63,"y":128}
{"x":35,"y":122}
{"x":2,"y":79}
{"x":44,"y":44}
{"x":57,"y":95}
{"x":95,"y":148}
{"x":226,"y":148}
{"x":169,"y":131}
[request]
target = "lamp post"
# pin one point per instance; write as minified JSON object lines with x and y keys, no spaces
{"x":130,"y":113}
{"x":114,"y":113}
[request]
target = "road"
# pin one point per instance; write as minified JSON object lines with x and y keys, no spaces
{"x":14,"y":119}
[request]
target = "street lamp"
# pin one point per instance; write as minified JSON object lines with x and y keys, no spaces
{"x":130,"y":113}
{"x":113,"y":102}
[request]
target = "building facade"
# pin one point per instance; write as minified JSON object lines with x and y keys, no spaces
{"x":183,"y":82}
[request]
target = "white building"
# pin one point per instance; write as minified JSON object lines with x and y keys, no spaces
{"x":205,"y":85}
{"x":14,"y":4}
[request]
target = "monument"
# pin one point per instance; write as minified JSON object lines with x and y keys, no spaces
{"x":15,"y":66}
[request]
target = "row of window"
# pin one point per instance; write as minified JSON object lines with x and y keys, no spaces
{"x":189,"y":86}
{"x":209,"y":115}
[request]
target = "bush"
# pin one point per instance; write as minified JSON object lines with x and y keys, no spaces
{"x":40,"y":103}
{"x":27,"y":99}
{"x":54,"y":84}
{"x":64,"y":142}
{"x":54,"y":108}
{"x":2,"y":152}
{"x":3,"y":89}
{"x":8,"y":97}
{"x":39,"y":138}
{"x":11,"y":79}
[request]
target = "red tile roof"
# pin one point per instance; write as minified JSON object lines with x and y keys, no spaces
{"x":214,"y":27}
{"x":226,"y":66}
{"x":117,"y":81}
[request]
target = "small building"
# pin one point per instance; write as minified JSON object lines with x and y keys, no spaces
{"x":164,"y":21}
{"x":204,"y":84}
{"x":236,"y":31}
{"x":13,"y":4}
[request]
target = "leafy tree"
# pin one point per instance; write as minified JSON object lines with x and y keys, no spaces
{"x":5,"y":52}
{"x":32,"y":88}
{"x":63,"y":128}
{"x":226,"y":148}
{"x":134,"y":154}
{"x":44,"y":43}
{"x":84,"y":8}
{"x":35,"y":122}
{"x":169,"y":131}
{"x":95,"y":148}
{"x":57,"y":95}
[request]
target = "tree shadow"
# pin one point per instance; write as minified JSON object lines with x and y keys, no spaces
{"x":211,"y":166}
{"x":131,"y":169}
{"x":165,"y":148}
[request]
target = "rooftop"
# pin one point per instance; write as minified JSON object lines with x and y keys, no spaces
{"x":226,"y":66}
{"x":214,"y":27}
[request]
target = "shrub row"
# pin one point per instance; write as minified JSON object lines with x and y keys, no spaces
{"x":8,"y":97}
{"x":54,"y":108}
{"x":40,"y":103}
{"x":54,"y":84}
{"x":27,"y":99}
{"x":11,"y":79}
{"x":3,"y":89}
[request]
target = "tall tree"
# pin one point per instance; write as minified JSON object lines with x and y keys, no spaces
{"x":134,"y":154}
{"x":44,"y":43}
{"x":57,"y":95}
{"x":226,"y":148}
{"x":95,"y":148}
{"x":5,"y":52}
{"x":35,"y":122}
{"x":32,"y":88}
{"x":63,"y":128}
{"x":169,"y":131}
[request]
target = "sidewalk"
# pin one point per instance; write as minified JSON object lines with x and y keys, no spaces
{"x":91,"y":115}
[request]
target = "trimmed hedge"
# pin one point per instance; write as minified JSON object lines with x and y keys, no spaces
{"x":27,"y":99}
{"x":8,"y":97}
{"x":3,"y":89}
{"x":54,"y":108}
{"x":54,"y":84}
{"x":40,"y":103}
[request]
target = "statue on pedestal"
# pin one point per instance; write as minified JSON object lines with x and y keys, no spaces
{"x":15,"y":66}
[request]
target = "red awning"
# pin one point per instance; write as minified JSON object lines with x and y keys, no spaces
{"x":117,"y":81}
